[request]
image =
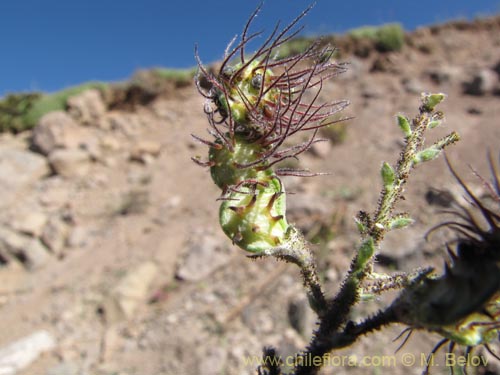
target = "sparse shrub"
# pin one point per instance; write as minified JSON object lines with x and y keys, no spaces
{"x":181,"y":77}
{"x":390,"y":37}
{"x":254,"y":104}
{"x":12,"y":110}
{"x":294,"y":47}
{"x":387,"y":38}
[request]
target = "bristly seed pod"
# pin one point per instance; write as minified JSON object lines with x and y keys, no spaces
{"x":253,"y":105}
{"x":463,"y":304}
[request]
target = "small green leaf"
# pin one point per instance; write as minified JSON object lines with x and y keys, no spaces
{"x":360,"y":225}
{"x":434,"y":124}
{"x":388,"y":176}
{"x":428,"y":154}
{"x":400,"y":222}
{"x":404,"y":125}
{"x":436,"y":120}
{"x":365,"y":252}
{"x":430,"y":101}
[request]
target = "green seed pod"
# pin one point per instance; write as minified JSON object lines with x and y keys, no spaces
{"x":244,"y":93}
{"x":224,"y":163}
{"x":254,"y":103}
{"x":256,"y":221}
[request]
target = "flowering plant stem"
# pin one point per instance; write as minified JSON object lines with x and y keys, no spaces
{"x":254,"y":106}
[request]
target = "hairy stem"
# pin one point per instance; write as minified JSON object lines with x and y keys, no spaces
{"x":296,"y":250}
{"x":377,"y":226}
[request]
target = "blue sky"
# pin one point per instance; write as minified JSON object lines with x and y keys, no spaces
{"x":51,"y":44}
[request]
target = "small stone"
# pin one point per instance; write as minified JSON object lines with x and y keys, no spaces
{"x":70,"y":163}
{"x":26,"y":249}
{"x":56,"y":130}
{"x":53,"y":192}
{"x":29,"y":222}
{"x":21,"y":353}
{"x":78,"y":237}
{"x":482,"y":82}
{"x":110,"y":143}
{"x":444,"y":74}
{"x":301,"y":316}
{"x":87,"y":107}
{"x":145,"y":151}
{"x":413,"y":85}
{"x":13,"y":276}
{"x":203,"y":256}
{"x":19,"y":169}
{"x":321,"y":149}
{"x":130,"y":292}
{"x":371,"y":91}
{"x":126,"y":123}
{"x":54,"y":235}
{"x":331,"y":274}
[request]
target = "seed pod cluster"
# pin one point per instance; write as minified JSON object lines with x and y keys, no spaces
{"x":254,"y":104}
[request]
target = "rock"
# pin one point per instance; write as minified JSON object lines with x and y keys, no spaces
{"x":203,"y":256}
{"x":13,"y":276}
{"x":412,"y":85}
{"x":384,"y":64}
{"x":78,"y":237}
{"x":26,"y":249}
{"x":127,"y":123}
{"x":54,"y":235}
{"x":87,"y":107}
{"x":21,"y":353}
{"x":53,"y":192}
{"x":28,"y":221}
{"x":145,"y":151}
{"x":18,"y":170}
{"x":321,"y":149}
{"x":70,"y":163}
{"x":371,"y":91}
{"x":129,"y":293}
{"x":301,"y":316}
{"x":56,"y":130}
{"x":110,"y":143}
{"x":482,"y":82}
{"x":444,"y":74}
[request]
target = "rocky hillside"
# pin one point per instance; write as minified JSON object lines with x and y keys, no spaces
{"x":111,"y":258}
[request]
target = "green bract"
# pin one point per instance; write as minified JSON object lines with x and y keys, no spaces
{"x":255,"y":221}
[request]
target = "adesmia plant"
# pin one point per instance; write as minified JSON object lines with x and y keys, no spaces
{"x":255,"y":104}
